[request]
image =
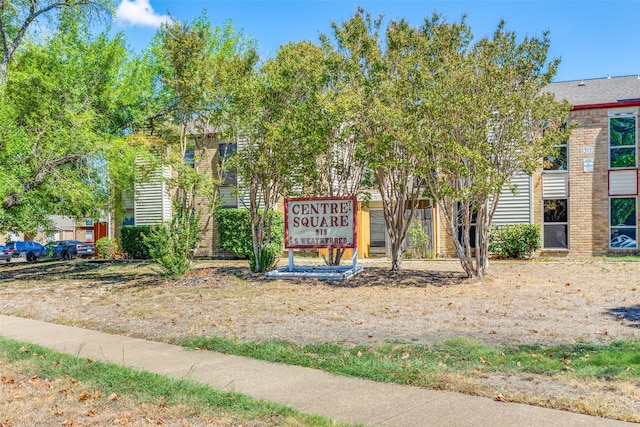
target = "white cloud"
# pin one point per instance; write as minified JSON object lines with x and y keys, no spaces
{"x":139,"y":12}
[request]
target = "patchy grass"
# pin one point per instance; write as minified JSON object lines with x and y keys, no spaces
{"x":413,"y":364}
{"x":560,"y":306}
{"x":463,"y":365}
{"x":41,"y":387}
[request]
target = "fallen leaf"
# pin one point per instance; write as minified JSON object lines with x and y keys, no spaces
{"x":23,"y":350}
{"x":83,"y":396}
{"x":91,"y":413}
{"x":34,"y":379}
{"x":500,"y":398}
{"x":405,"y":356}
{"x":113,"y":397}
{"x":123,"y":421}
{"x":67,"y":423}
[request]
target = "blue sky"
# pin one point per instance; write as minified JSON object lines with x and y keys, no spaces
{"x":592,"y":38}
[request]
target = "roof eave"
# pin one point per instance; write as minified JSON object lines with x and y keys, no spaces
{"x":634,"y":103}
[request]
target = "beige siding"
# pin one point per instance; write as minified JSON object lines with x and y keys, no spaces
{"x":153,"y":202}
{"x":515,"y":208}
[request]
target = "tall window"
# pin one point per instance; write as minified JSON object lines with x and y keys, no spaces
{"x":226,"y":150}
{"x":462,"y":218}
{"x":622,"y":223}
{"x":555,"y":223}
{"x":555,"y":217}
{"x":622,"y":142}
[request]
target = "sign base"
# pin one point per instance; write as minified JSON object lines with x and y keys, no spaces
{"x":315,"y":272}
{"x":318,"y":272}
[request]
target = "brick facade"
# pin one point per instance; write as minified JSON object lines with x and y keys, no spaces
{"x":206,"y":161}
{"x":588,"y":191}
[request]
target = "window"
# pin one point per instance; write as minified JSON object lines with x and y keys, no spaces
{"x":622,"y":142}
{"x":555,"y":224}
{"x":226,"y":150}
{"x":463,"y":217}
{"x":556,"y":161}
{"x":622,"y":223}
{"x":190,"y":157}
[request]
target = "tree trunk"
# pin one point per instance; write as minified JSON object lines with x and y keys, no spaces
{"x":3,"y":72}
{"x":396,"y":256}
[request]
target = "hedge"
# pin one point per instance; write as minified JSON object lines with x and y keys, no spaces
{"x":132,"y":242}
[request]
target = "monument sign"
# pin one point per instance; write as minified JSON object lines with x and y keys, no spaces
{"x":320,"y":222}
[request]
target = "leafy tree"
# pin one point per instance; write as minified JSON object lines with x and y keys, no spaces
{"x":383,"y":83}
{"x":493,"y":120}
{"x":17,"y":16}
{"x":188,"y":58}
{"x":281,"y":133}
{"x":63,"y":110}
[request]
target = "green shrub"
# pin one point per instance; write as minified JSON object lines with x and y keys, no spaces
{"x":420,"y":242}
{"x":234,"y":231}
{"x":172,"y":244}
{"x":131,"y":239}
{"x":515,"y":241}
{"x":107,"y":248}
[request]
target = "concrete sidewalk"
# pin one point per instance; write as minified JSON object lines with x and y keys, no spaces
{"x":308,"y":390}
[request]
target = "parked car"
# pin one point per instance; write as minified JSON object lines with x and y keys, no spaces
{"x":31,"y":251}
{"x":60,"y":250}
{"x":6,"y":253}
{"x":80,"y":249}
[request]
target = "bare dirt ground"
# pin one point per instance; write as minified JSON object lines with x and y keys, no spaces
{"x":542,"y":301}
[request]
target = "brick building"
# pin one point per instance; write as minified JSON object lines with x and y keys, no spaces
{"x":586,"y":197}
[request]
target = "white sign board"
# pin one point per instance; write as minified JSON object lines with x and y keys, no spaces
{"x":320,"y":222}
{"x":587,"y":164}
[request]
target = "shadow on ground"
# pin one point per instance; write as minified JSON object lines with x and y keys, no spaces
{"x":98,"y":272}
{"x":382,"y":276}
{"x":626,"y":314}
{"x":369,"y":277}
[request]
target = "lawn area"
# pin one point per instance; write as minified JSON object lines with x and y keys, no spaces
{"x":560,"y":334}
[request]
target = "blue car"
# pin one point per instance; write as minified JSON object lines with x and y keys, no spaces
{"x":6,"y":253}
{"x":31,"y":251}
{"x":78,"y":249}
{"x":60,"y":250}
